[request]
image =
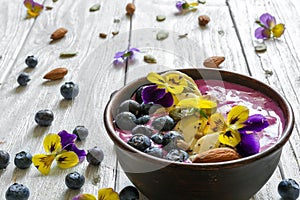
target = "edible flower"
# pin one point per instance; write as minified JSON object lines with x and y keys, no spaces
{"x":173,"y":83}
{"x":122,"y":56}
{"x":59,"y":147}
{"x":268,"y":27}
{"x":184,"y":6}
{"x":103,"y":194}
{"x":33,"y":8}
{"x":157,"y":96}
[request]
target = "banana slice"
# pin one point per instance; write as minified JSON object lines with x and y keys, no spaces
{"x":206,"y":142}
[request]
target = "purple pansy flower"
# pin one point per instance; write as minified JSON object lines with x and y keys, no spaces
{"x":121,"y":56}
{"x":185,"y":6}
{"x":157,"y":96}
{"x":249,"y":144}
{"x":68,"y":143}
{"x":268,"y":27}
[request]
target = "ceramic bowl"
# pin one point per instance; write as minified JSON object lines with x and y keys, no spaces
{"x":233,"y":180}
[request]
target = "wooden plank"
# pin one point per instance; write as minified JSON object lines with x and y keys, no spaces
{"x":91,"y":69}
{"x":282,"y":59}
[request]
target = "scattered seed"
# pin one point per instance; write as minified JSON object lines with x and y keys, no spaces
{"x":149,"y":59}
{"x":117,"y":20}
{"x":49,"y":7}
{"x":268,"y":72}
{"x":202,"y":1}
{"x":95,"y":7}
{"x":183,"y":35}
{"x":103,"y":35}
{"x":160,"y":18}
{"x":54,"y":1}
{"x":161,"y":35}
{"x":67,"y":54}
{"x":260,"y":48}
{"x":115,"y":33}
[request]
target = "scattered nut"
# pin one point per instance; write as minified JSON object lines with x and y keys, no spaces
{"x":56,"y":74}
{"x":58,"y":34}
{"x":216,"y":155}
{"x":102,"y":35}
{"x":203,"y":20}
{"x":213,"y":62}
{"x":130,"y":8}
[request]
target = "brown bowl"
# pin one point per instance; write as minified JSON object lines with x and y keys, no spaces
{"x":162,"y":179}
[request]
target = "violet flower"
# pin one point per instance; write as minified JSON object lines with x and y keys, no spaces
{"x":184,"y":6}
{"x":121,"y":56}
{"x":68,"y":143}
{"x":157,"y":96}
{"x":249,"y":144}
{"x":268,"y":27}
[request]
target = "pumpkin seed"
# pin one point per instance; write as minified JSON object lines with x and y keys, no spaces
{"x":260,"y":48}
{"x":161,"y":35}
{"x":202,"y":1}
{"x":49,"y":7}
{"x":149,"y":59}
{"x":183,"y":35}
{"x":95,"y":7}
{"x":160,"y":18}
{"x":67,"y":54}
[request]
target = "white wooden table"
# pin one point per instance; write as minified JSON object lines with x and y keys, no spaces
{"x":230,"y":33}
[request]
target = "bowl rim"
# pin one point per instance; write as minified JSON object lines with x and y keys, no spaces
{"x":286,"y":133}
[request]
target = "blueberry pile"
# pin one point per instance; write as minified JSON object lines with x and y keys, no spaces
{"x":151,"y":134}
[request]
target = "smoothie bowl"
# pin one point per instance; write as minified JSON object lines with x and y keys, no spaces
{"x":198,"y":133}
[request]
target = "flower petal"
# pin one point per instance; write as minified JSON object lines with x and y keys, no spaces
{"x":67,"y":159}
{"x":175,"y":83}
{"x":79,"y":152}
{"x":43,"y":162}
{"x":255,"y":123}
{"x":52,"y":143}
{"x":249,"y":144}
{"x":278,"y":30}
{"x":166,"y":101}
{"x":66,"y":138}
{"x":230,"y":137}
{"x":119,"y":54}
{"x":107,"y":194}
{"x":237,"y":116}
{"x":267,"y":20}
{"x":262,"y":33}
{"x":179,"y":5}
{"x":155,"y":78}
{"x":84,"y":197}
{"x":198,"y":102}
{"x":152,"y":93}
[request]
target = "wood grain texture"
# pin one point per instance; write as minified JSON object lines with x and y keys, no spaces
{"x":91,"y":69}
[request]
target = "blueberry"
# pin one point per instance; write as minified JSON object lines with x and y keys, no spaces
{"x":23,"y":79}
{"x":44,"y":117}
{"x":95,"y":156}
{"x":170,"y":140}
{"x":157,"y":138}
{"x":130,"y":106}
{"x":177,"y":155}
{"x":140,"y":142}
{"x":154,"y":151}
{"x":164,"y":123}
{"x":143,"y":119}
{"x":141,"y":129}
{"x":138,"y":94}
{"x":74,"y":180}
{"x":4,"y":159}
{"x":69,"y":90}
{"x":23,"y":160}
{"x":81,"y":132}
{"x":288,"y":189}
{"x":31,"y":61}
{"x":149,"y":108}
{"x":125,"y":121}
{"x":129,"y":193}
{"x":17,"y":191}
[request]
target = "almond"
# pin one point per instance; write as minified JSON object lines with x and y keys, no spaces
{"x":130,"y":8}
{"x":213,"y":62}
{"x":56,"y":74}
{"x":216,"y":155}
{"x":203,"y":20}
{"x":58,"y":34}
